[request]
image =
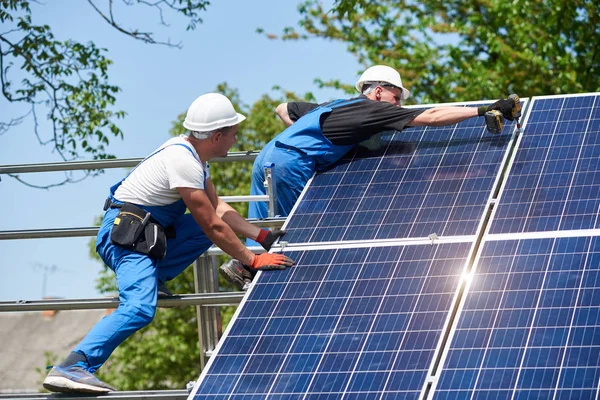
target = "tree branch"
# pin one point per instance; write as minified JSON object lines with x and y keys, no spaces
{"x":64,"y":182}
{"x":5,"y":126}
{"x":145,"y":37}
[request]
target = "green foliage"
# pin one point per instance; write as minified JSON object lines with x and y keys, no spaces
{"x":456,"y":50}
{"x":68,"y":80}
{"x":68,"y":77}
{"x":165,"y":354}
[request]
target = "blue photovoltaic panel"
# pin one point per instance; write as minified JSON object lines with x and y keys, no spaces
{"x":427,"y":180}
{"x":530,"y":326}
{"x":554,"y":183}
{"x":357,"y":323}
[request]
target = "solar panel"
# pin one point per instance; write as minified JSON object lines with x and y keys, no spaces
{"x":426,"y":180}
{"x":352,"y":322}
{"x":530,"y":325}
{"x":372,"y":312}
{"x":554,"y":182}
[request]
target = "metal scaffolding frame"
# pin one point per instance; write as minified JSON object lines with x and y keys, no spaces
{"x":207,"y":297}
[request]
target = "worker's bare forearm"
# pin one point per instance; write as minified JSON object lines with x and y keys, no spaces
{"x":214,"y":227}
{"x":236,"y":221}
{"x":282,"y":112}
{"x":440,"y":116}
{"x":224,"y":237}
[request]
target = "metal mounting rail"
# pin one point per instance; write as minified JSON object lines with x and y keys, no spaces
{"x":138,"y":395}
{"x":93,"y":230}
{"x":102,"y":164}
{"x":203,"y":299}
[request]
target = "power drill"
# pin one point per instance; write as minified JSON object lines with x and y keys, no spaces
{"x":494,"y":119}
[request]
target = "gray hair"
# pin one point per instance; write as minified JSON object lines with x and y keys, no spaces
{"x":206,"y":134}
{"x":368,"y":87}
{"x":203,"y":135}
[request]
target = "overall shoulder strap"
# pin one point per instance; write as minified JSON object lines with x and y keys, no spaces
{"x":114,"y":188}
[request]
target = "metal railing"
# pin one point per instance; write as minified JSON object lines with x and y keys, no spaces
{"x":207,"y":298}
{"x":103,"y":164}
{"x":137,"y":395}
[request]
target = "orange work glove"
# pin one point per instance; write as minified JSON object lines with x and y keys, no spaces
{"x":269,"y":261}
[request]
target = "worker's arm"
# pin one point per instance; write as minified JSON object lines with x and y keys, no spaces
{"x":439,"y":116}
{"x":229,"y":215}
{"x":282,"y":113}
{"x":292,"y":112}
{"x":264,"y":237}
{"x":201,"y":207}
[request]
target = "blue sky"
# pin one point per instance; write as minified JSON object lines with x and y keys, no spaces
{"x":157,"y":84}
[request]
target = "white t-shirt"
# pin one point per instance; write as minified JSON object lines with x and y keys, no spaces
{"x":155,"y":181}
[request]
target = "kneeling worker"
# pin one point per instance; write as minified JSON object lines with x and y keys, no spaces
{"x":146,"y":237}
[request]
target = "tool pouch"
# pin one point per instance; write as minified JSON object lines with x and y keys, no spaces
{"x":153,"y":241}
{"x":134,"y":230}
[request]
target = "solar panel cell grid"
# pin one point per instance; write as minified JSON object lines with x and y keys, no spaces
{"x":530,"y":325}
{"x":347,"y":324}
{"x":427,"y":180}
{"x":554,"y":183}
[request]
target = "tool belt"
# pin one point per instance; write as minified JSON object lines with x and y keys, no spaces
{"x":135,"y":229}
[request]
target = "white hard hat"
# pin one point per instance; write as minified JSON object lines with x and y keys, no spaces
{"x":382,"y":74}
{"x":211,"y":111}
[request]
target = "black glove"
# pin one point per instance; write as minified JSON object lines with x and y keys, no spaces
{"x":266,"y":238}
{"x":505,"y":106}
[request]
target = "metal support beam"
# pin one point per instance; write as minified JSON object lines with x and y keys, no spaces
{"x":137,"y":395}
{"x":206,"y":280}
{"x":271,"y":191}
{"x":93,"y":230}
{"x":102,"y":164}
{"x":204,"y":299}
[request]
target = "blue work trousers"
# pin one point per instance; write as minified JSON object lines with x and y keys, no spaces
{"x":137,"y":278}
{"x":291,"y":171}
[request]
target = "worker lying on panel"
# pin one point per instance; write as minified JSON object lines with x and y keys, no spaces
{"x":146,"y":237}
{"x":318,"y":135}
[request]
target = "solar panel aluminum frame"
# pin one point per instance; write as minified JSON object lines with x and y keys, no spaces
{"x":491,"y":197}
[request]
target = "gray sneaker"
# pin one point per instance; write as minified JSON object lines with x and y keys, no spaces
{"x":237,"y":273}
{"x":74,"y":379}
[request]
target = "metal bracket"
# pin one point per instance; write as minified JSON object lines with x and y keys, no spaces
{"x":283,"y":244}
{"x":433,"y":237}
{"x":190,"y":386}
{"x":269,"y":184}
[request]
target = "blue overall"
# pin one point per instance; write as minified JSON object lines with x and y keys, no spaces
{"x":138,"y":275}
{"x":295,"y":155}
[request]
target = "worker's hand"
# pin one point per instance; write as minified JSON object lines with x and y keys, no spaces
{"x":266,"y":238}
{"x":270,"y":261}
{"x":505,"y":106}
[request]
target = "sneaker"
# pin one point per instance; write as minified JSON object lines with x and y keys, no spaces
{"x":163,"y":292}
{"x":74,"y":379}
{"x":237,"y":273}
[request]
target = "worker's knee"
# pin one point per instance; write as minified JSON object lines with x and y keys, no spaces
{"x":142,"y":314}
{"x":147,"y":312}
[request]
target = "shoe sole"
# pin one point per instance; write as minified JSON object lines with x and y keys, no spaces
{"x":64,"y":385}
{"x":231,"y":277}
